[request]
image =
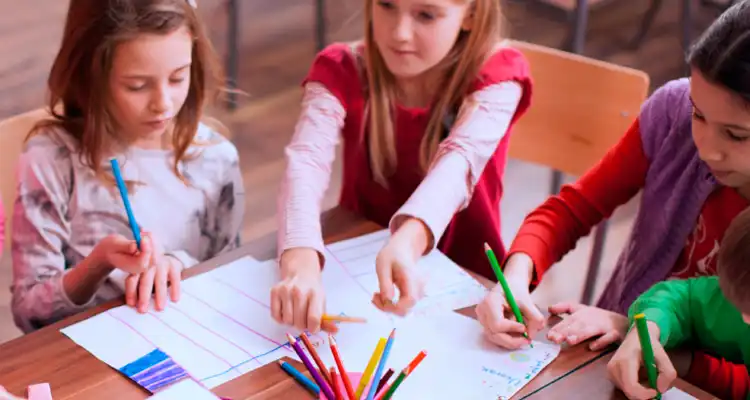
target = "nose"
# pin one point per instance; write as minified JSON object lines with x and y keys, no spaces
{"x":403,"y":31}
{"x":161,"y":102}
{"x":709,"y":148}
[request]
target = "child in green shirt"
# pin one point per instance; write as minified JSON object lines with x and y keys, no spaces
{"x":711,"y":313}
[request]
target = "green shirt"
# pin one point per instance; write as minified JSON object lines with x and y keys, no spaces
{"x":694,"y":313}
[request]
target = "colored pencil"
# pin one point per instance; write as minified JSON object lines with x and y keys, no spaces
{"x":365,"y":379}
{"x":342,"y":370}
{"x":504,"y":284}
{"x":388,"y":391}
{"x":381,"y":366}
{"x":336,"y":387}
{"x":384,"y":379}
{"x":314,"y":353}
{"x":343,"y":318}
{"x":300,"y":377}
{"x":648,"y":351}
{"x":126,"y":201}
{"x":314,"y":372}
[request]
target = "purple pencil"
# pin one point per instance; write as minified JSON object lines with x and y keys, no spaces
{"x":314,"y":372}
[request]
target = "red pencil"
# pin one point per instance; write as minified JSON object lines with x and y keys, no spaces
{"x":336,"y":387}
{"x":342,"y":371}
{"x":311,"y":349}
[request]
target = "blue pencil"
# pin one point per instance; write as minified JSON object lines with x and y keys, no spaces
{"x":126,"y":201}
{"x":381,"y":366}
{"x":300,"y":377}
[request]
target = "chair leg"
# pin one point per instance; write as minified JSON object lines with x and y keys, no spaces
{"x":577,"y":38}
{"x":320,"y":24}
{"x":646,"y":23}
{"x":232,"y":62}
{"x":600,"y":236}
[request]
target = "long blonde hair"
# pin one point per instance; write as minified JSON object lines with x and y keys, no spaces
{"x":459,"y":69}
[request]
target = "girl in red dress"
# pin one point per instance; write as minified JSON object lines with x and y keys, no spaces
{"x":424,"y":105}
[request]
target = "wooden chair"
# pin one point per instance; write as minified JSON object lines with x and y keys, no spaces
{"x":13,"y":132}
{"x":580,"y":108}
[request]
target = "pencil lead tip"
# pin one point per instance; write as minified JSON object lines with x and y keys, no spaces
{"x":487,"y":247}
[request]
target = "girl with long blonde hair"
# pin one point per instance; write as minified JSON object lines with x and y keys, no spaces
{"x":424,"y":105}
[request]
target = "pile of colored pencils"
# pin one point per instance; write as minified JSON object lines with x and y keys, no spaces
{"x":373,"y":384}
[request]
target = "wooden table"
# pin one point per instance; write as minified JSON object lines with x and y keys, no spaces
{"x":73,"y":373}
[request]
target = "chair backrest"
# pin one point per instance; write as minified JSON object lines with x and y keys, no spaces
{"x":13,"y":131}
{"x":579,"y":109}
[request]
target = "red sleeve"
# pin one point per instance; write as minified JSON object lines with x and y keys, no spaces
{"x":335,"y":67}
{"x":719,"y":377}
{"x":552,"y":230}
{"x":507,"y":64}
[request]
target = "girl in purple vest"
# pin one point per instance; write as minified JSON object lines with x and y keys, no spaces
{"x":689,"y":153}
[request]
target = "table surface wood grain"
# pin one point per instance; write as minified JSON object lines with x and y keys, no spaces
{"x":73,"y":373}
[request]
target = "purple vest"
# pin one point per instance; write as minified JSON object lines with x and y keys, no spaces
{"x":677,"y":185}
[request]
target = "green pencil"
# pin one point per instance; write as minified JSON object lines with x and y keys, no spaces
{"x":501,"y":278}
{"x":648,"y":351}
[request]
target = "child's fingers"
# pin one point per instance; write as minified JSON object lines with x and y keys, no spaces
{"x":145,"y":289}
{"x":533,"y":318}
{"x":385,"y":278}
{"x":131,"y":289}
{"x":315,"y":312}
{"x":175,"y":281}
{"x":667,"y":372}
{"x":507,"y":341}
{"x":301,"y":305}
{"x":564,"y":308}
{"x":604,"y":341}
{"x":160,"y":288}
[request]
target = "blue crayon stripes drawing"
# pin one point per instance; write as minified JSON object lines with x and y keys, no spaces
{"x":154,"y":371}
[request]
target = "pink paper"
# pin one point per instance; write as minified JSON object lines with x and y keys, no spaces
{"x":39,"y":391}
{"x":353,"y":378}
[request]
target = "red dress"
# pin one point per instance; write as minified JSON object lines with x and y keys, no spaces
{"x":463,"y":240}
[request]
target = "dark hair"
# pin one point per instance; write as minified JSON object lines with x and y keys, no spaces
{"x":78,"y":79}
{"x":733,"y":262}
{"x":722,"y":53}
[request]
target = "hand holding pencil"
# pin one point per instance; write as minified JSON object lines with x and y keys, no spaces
{"x":642,"y":349}
{"x":509,"y":299}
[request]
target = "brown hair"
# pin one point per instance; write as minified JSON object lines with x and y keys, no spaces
{"x":734,"y":262}
{"x":459,"y":69}
{"x":78,"y":79}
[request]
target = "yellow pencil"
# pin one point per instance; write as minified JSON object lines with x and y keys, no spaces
{"x":374,"y":360}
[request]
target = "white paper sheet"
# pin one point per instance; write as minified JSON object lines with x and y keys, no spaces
{"x":186,"y":389}
{"x":222,"y":328}
{"x":676,"y":394}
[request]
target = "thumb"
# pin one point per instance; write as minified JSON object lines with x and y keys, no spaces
{"x":121,"y":244}
{"x":564,"y":308}
{"x":385,"y":279}
{"x":534,"y":318}
{"x":667,"y":372}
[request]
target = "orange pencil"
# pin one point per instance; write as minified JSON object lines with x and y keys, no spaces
{"x":336,"y":387}
{"x":342,"y":371}
{"x":316,"y":357}
{"x":343,"y":318}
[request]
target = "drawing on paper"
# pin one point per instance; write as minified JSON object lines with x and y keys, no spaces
{"x":154,"y":371}
{"x":222,"y":327}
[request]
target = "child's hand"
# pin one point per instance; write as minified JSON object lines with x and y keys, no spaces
{"x":624,"y":367}
{"x":498,"y":319}
{"x":163,"y":275}
{"x":299,"y":299}
{"x":122,"y":253}
{"x":396,"y":264}
{"x":585,"y":322}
